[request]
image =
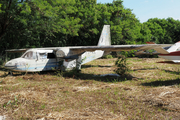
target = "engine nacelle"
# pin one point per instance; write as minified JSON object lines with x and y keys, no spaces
{"x":63,"y":52}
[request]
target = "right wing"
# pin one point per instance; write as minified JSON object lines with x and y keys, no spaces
{"x":17,"y":50}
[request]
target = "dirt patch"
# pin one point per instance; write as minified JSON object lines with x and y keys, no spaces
{"x":165,"y":97}
{"x":99,"y":87}
{"x":38,"y":77}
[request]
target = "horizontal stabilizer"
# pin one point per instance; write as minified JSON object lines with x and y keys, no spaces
{"x":161,"y":50}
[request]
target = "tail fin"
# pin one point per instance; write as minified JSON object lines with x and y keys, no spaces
{"x":105,"y":38}
{"x":174,"y":47}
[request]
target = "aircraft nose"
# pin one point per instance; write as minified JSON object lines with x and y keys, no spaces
{"x":10,"y":65}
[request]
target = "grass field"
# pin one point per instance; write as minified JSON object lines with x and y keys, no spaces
{"x":151,"y":91}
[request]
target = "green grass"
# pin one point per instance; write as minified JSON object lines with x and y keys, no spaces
{"x":151,"y":92}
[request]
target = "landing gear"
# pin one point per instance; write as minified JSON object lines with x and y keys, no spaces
{"x":10,"y":73}
{"x":23,"y":73}
{"x":78,"y":63}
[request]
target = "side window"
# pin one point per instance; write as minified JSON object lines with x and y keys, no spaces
{"x":51,"y":55}
{"x":29,"y":55}
{"x":43,"y":55}
{"x":34,"y":55}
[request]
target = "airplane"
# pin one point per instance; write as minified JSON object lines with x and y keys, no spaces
{"x":67,"y":58}
{"x":171,"y":53}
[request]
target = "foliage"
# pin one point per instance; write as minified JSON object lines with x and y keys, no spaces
{"x":127,"y":53}
{"x":47,"y":23}
{"x":23,"y":22}
{"x":108,"y":56}
{"x":164,"y":30}
{"x":121,"y":64}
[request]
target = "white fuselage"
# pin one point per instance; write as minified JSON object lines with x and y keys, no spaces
{"x":64,"y":58}
{"x":44,"y":60}
{"x":33,"y":60}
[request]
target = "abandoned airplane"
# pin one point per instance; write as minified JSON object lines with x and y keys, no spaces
{"x":65,"y":58}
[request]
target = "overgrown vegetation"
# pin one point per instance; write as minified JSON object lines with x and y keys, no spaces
{"x":121,"y":64}
{"x":151,"y":93}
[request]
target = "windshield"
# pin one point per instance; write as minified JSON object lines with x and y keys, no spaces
{"x":29,"y":55}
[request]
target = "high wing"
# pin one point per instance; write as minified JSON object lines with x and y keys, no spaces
{"x":82,"y":49}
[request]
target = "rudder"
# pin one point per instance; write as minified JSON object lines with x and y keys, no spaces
{"x":105,"y":38}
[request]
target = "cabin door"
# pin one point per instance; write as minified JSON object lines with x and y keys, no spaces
{"x":41,"y":63}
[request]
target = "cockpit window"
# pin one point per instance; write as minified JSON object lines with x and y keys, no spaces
{"x":29,"y":55}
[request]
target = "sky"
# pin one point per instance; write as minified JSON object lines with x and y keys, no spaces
{"x":145,"y":9}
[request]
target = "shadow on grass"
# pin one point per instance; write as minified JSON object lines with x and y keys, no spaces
{"x":74,"y":75}
{"x":87,"y":66}
{"x":162,"y":83}
{"x":108,"y":78}
{"x":15,"y":74}
{"x":173,"y":72}
{"x":144,"y":69}
{"x":168,"y":62}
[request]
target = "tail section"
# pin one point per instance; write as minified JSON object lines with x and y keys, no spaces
{"x":105,"y":38}
{"x":175,"y":47}
{"x":172,"y":53}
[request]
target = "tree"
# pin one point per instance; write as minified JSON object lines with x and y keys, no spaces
{"x":88,"y":15}
{"x":22,"y":18}
{"x":164,"y":30}
{"x":145,"y":34}
{"x":127,"y":24}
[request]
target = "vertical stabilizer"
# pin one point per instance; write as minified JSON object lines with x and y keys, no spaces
{"x":174,"y":47}
{"x":105,"y":38}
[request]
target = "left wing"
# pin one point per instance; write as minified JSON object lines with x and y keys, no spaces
{"x":118,"y":47}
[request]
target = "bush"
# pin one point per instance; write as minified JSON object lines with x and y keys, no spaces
{"x":108,"y":57}
{"x":1,"y":62}
{"x":122,"y":68}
